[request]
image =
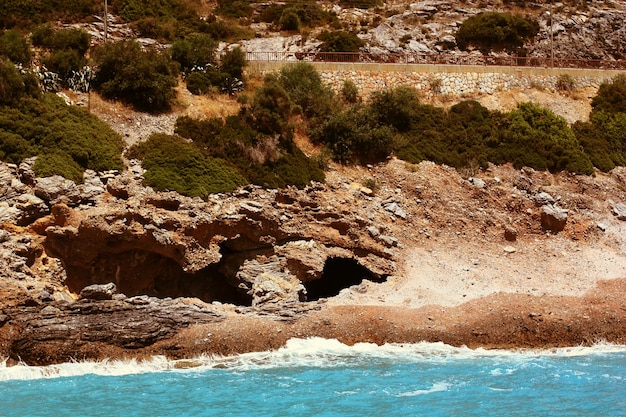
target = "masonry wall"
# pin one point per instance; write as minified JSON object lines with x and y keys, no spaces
{"x":455,"y":80}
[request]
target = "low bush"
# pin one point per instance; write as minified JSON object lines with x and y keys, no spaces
{"x":13,"y":86}
{"x":340,"y":41}
{"x":68,"y":139}
{"x":536,"y":137}
{"x":25,"y":13}
{"x":172,"y":163}
{"x":495,"y":30}
{"x":611,"y":96}
{"x":305,"y":88}
{"x":352,"y":137}
{"x":287,"y":15}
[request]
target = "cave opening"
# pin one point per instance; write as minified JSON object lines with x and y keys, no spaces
{"x":338,"y":273}
{"x":138,"y":272}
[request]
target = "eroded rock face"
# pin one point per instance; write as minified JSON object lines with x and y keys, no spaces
{"x":256,"y":247}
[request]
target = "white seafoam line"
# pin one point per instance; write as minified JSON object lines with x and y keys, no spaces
{"x":310,"y":352}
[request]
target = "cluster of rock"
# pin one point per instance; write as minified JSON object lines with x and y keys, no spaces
{"x":251,"y":248}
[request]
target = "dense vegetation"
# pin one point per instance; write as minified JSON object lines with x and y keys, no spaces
{"x":24,"y":13}
{"x":395,"y":122}
{"x":604,"y":137}
{"x":67,"y":138}
{"x":495,"y":31}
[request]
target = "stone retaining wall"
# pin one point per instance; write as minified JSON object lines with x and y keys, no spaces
{"x":450,"y":84}
{"x":452,"y":80}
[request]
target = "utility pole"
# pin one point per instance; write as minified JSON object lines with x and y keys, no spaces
{"x":106,"y":20}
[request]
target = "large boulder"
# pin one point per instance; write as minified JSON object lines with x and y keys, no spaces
{"x":31,"y":208}
{"x":553,"y":218}
{"x":619,"y":210}
{"x":98,"y":292}
{"x":56,"y":189}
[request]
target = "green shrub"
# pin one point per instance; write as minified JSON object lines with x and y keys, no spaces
{"x":350,"y":92}
{"x":42,"y":35}
{"x":611,"y":97}
{"x":58,"y":163}
{"x":14,"y":47}
{"x":173,"y":164}
{"x":233,"y":62}
{"x":603,"y":154}
{"x":495,"y":30}
{"x":308,"y":14}
{"x":305,"y":88}
{"x":196,"y":50}
{"x":14,"y":148}
{"x":537,"y":138}
{"x":396,"y":108}
{"x":12,"y":87}
{"x":289,"y":21}
{"x":565,"y":82}
{"x":46,"y":126}
{"x":24,"y":13}
{"x":198,"y":83}
{"x":360,"y":4}
{"x":353,"y":138}
{"x":144,"y":79}
{"x":266,"y":160}
{"x":234,"y":8}
{"x":64,"y":61}
{"x":271,"y":107}
{"x":340,"y":41}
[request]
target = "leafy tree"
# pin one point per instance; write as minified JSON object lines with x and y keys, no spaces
{"x":611,"y":97}
{"x":144,"y":79}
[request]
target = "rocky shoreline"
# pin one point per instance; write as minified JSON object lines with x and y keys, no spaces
{"x":505,"y":259}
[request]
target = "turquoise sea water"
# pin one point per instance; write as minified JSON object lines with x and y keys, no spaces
{"x":317,"y":377}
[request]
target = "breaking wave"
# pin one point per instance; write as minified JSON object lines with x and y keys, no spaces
{"x":311,"y":352}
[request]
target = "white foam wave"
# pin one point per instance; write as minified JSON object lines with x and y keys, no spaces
{"x":311,"y":352}
{"x":436,"y":387}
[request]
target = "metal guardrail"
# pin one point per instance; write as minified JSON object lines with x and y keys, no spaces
{"x":436,"y":59}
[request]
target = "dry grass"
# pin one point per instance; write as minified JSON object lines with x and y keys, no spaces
{"x":204,"y":106}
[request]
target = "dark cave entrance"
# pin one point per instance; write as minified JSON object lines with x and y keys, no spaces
{"x":338,"y":273}
{"x":138,"y":272}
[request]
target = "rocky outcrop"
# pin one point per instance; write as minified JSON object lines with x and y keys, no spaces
{"x":64,"y":331}
{"x":251,"y":248}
